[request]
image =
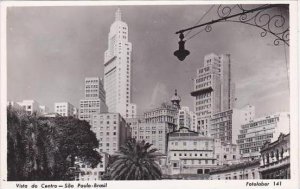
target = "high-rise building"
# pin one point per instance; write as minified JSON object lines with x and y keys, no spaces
{"x":117,"y":69}
{"x":260,"y":130}
{"x":94,"y":101}
{"x":166,"y":113}
{"x":111,"y":130}
{"x":64,"y":109}
{"x":213,"y":89}
{"x":226,"y":125}
{"x":186,"y":118}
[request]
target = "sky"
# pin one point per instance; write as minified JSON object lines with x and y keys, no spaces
{"x":52,"y":49}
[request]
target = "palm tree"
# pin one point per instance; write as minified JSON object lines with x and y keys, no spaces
{"x":136,"y":161}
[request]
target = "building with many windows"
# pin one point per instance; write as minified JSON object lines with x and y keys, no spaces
{"x":213,"y":90}
{"x":64,"y":109}
{"x":154,"y":133}
{"x":226,"y":153}
{"x":94,"y":101}
{"x":275,"y":159}
{"x":225,"y":125}
{"x":190,"y":153}
{"x":117,"y":69}
{"x":111,"y":130}
{"x":260,"y":130}
{"x":166,"y":113}
{"x":186,"y":118}
{"x":243,"y":171}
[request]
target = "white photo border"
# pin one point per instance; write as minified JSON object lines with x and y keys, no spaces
{"x":292,"y":183}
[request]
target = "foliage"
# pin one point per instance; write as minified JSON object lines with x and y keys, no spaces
{"x":45,"y":148}
{"x":136,"y":161}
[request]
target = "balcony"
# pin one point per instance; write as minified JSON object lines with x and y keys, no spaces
{"x":202,"y":91}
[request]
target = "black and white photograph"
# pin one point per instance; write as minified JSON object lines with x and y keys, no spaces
{"x":94,"y":93}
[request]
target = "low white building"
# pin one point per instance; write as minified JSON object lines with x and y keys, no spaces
{"x":190,"y":153}
{"x":32,"y":106}
{"x":226,"y":153}
{"x":64,"y":109}
{"x":242,"y":171}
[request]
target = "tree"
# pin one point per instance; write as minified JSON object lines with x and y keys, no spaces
{"x":136,"y":161}
{"x":45,"y":148}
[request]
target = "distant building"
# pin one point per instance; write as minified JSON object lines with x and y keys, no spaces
{"x":190,"y":153}
{"x":32,"y":106}
{"x":166,"y":113}
{"x":186,"y":118}
{"x":242,"y":171}
{"x":154,"y":133}
{"x":88,"y":174}
{"x":111,"y":131}
{"x":117,"y":69}
{"x":226,"y":153}
{"x":64,"y":109}
{"x":227,"y":124}
{"x":213,"y":90}
{"x":94,"y":101}
{"x":43,"y":109}
{"x":258,"y":131}
{"x":275,"y":159}
{"x":52,"y":115}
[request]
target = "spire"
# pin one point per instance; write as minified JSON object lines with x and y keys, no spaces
{"x":118,"y":15}
{"x":176,"y":100}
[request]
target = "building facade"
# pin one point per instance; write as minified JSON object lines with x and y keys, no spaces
{"x":166,"y":113}
{"x":190,"y":153}
{"x":213,"y":89}
{"x":117,"y":69}
{"x":275,"y":159}
{"x":87,"y":173}
{"x":32,"y":106}
{"x":111,"y":130}
{"x":226,"y":125}
{"x":260,"y":130}
{"x":242,"y":171}
{"x":94,"y":101}
{"x":64,"y":109}
{"x":186,"y":118}
{"x":154,"y":133}
{"x":226,"y":153}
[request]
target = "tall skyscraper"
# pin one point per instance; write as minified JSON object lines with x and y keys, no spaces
{"x":213,"y":89}
{"x":117,"y":69}
{"x":94,"y":101}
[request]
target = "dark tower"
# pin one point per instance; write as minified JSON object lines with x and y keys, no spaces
{"x":176,"y":100}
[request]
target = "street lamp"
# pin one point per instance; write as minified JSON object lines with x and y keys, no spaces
{"x":273,"y":23}
{"x":181,"y":53}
